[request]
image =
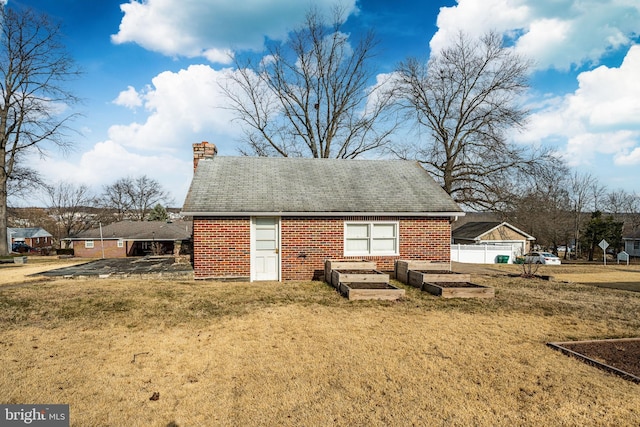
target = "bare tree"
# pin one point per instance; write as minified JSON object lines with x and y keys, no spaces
{"x":23,"y":181}
{"x":624,"y":206}
{"x":34,"y":66}
{"x":133,"y":198}
{"x":583,"y":201}
{"x":544,"y":210}
{"x":73,"y":208}
{"x":466,"y":98}
{"x":311,"y":97}
{"x":116,"y":197}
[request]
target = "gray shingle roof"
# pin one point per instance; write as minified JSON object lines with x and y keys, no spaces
{"x":140,"y":230}
{"x":472,"y":230}
{"x":30,"y":233}
{"x":252,"y":185}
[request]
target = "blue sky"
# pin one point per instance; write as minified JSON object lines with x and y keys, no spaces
{"x":151,"y":70}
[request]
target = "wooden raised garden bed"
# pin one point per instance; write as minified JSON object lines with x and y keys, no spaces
{"x":458,"y":290}
{"x":402,"y":268}
{"x":418,"y":277}
{"x":358,"y":276}
{"x":345,"y":264}
{"x":370,"y":290}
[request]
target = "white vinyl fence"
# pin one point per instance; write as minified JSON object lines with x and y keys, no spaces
{"x":481,"y":254}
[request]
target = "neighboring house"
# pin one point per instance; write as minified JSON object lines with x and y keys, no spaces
{"x":632,"y":244}
{"x":35,"y":237}
{"x":493,"y":233}
{"x":131,"y":238}
{"x":259,"y":218}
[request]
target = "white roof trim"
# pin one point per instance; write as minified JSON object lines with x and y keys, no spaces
{"x":325,"y":214}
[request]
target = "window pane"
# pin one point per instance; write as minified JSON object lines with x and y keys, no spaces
{"x":384,"y":245}
{"x":265,"y":244}
{"x":384,"y":230}
{"x":357,"y":230}
{"x":357,"y":245}
{"x":265,"y":234}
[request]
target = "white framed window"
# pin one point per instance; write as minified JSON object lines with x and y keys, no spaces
{"x":120,"y":243}
{"x":371,"y":238}
{"x":88,"y":244}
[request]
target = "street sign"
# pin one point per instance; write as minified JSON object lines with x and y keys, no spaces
{"x":604,"y":245}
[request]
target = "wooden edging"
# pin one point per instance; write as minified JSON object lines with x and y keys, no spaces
{"x":611,"y":369}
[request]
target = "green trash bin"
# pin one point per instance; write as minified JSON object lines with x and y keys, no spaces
{"x":502,"y":259}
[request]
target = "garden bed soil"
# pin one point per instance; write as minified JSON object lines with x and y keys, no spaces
{"x":337,"y":264}
{"x":618,"y":356}
{"x":456,"y":285}
{"x":402,"y":268}
{"x":370,"y":285}
{"x":458,"y":290}
{"x":358,"y":271}
{"x":416,"y":278}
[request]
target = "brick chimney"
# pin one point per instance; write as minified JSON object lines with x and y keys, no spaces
{"x":203,"y":150}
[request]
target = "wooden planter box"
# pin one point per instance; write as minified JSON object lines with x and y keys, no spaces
{"x":345,"y":264}
{"x":418,"y":277}
{"x":358,"y":276}
{"x":369,"y":290}
{"x":402,"y":268}
{"x":458,"y":290}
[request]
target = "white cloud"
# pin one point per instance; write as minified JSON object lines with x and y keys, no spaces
{"x":211,"y":28}
{"x":628,"y":159}
{"x":181,"y":108}
{"x":129,"y":98}
{"x":184,"y":103}
{"x":555,"y":34}
{"x":602,"y":117}
{"x":477,"y":17}
{"x":108,"y":161}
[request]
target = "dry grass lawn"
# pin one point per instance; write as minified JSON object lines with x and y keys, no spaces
{"x":249,"y":354}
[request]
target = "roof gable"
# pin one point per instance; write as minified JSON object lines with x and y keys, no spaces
{"x":252,"y":185}
{"x":476,"y":230}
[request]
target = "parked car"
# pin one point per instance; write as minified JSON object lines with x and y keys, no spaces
{"x":20,"y":247}
{"x":541,"y":258}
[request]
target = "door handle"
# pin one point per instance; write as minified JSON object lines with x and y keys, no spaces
{"x":277,"y":251}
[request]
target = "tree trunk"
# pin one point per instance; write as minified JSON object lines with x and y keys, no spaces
{"x":4,"y":238}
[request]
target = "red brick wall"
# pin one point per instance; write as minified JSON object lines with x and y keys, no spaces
{"x":222,"y":245}
{"x":111,"y":249}
{"x":38,"y":242}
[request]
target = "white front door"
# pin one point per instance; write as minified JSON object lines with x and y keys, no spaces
{"x":265,"y":262}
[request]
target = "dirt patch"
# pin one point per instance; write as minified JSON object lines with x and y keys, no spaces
{"x":621,"y":357}
{"x":358,"y":271}
{"x":436,"y":271}
{"x":370,"y":285}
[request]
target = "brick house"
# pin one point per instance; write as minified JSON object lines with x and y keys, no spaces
{"x":493,"y":233}
{"x":35,"y":237}
{"x":131,"y":238}
{"x":259,"y":218}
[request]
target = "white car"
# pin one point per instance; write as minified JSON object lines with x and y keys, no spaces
{"x":541,"y":258}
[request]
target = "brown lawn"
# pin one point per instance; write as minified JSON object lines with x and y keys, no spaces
{"x":299,"y":354}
